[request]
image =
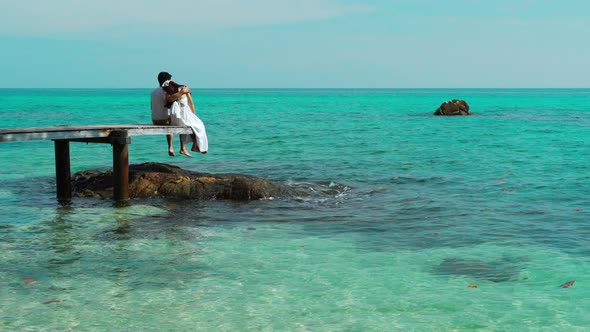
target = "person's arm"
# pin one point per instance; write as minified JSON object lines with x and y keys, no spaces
{"x":190,"y":102}
{"x":174,"y":97}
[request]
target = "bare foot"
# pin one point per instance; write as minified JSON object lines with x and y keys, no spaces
{"x":171,"y":153}
{"x":195,"y":148}
{"x":186,"y":153}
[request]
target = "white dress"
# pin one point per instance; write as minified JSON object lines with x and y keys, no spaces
{"x":182,"y":115}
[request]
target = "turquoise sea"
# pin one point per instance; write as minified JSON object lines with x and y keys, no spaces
{"x":410,"y":222}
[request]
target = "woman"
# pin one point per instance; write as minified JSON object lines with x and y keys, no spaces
{"x":182,"y":113}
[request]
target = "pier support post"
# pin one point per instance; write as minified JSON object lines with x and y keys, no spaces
{"x":62,"y":170}
{"x":120,"y":141}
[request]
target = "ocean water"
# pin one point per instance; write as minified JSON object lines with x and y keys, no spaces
{"x":408,"y":222}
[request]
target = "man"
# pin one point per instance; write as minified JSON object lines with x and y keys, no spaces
{"x":160,"y":113}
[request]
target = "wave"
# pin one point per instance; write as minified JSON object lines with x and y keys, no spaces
{"x":319,"y":191}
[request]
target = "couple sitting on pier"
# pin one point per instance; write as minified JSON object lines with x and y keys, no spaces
{"x":172,"y":104}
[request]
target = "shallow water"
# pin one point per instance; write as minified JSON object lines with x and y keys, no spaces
{"x":402,"y":212}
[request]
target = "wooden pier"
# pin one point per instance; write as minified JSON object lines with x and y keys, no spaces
{"x":119,"y":136}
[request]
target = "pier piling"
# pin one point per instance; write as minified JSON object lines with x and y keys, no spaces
{"x":120,"y":141}
{"x":62,"y":170}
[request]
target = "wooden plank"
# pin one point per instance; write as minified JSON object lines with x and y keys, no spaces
{"x":106,"y":140}
{"x":163,"y":130}
{"x":80,"y":132}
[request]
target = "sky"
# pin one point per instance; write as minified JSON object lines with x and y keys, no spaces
{"x":296,"y":43}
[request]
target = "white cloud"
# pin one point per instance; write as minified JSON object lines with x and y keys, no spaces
{"x":41,"y":17}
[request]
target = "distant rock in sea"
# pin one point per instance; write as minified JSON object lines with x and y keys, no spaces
{"x":453,"y":107}
{"x":159,"y":179}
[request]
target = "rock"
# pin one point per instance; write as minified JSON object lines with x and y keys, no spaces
{"x":501,"y":270}
{"x":158,"y":179}
{"x":453,"y":107}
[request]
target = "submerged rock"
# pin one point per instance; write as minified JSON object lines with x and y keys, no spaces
{"x":453,"y":107}
{"x":158,"y":179}
{"x":497,"y":271}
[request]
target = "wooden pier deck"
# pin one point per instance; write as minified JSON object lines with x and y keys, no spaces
{"x":119,"y":136}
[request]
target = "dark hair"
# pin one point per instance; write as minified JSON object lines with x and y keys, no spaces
{"x":171,"y":89}
{"x":163,"y":77}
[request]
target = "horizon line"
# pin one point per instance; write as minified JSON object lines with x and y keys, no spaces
{"x":300,"y":88}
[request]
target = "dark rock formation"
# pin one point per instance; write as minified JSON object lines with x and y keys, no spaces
{"x":501,"y":270}
{"x":157,"y":179}
{"x":453,"y":107}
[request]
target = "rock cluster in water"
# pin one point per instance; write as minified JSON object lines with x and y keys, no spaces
{"x":453,"y":107}
{"x":158,"y":179}
{"x":505,"y":269}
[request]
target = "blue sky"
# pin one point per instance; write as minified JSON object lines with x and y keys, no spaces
{"x":296,"y":43}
